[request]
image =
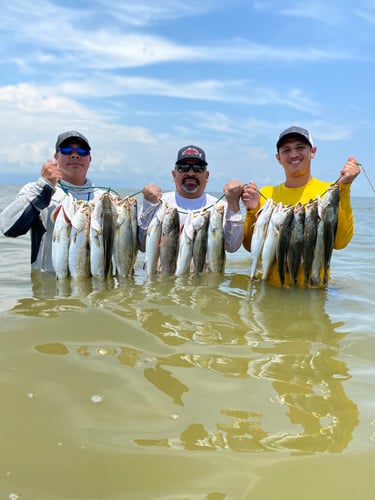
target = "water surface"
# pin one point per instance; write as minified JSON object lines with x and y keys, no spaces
{"x":205,"y":387}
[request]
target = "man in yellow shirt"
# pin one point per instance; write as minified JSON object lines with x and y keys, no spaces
{"x":295,"y":150}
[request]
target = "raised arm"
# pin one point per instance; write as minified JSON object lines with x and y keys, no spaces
{"x":233,"y":224}
{"x":151,"y":202}
{"x":20,"y":215}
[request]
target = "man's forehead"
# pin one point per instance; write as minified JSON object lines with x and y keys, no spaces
{"x":293,"y":140}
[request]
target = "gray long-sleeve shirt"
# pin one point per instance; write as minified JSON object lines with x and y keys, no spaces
{"x":31,"y":211}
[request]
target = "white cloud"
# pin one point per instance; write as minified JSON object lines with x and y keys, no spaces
{"x":142,"y":78}
{"x":247,"y":92}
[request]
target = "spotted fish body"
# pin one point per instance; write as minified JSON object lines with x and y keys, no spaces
{"x":153,"y":238}
{"x":108,"y":231}
{"x":259,"y":234}
{"x":283,"y":239}
{"x":330,"y":218}
{"x":317,"y":264}
{"x":102,"y":228}
{"x":216,"y":241}
{"x":169,"y":241}
{"x":61,"y":237}
{"x":270,"y":242}
{"x":294,"y":255}
{"x":125,"y":241}
{"x":310,"y":235}
{"x":185,"y":251}
{"x":200,"y":224}
{"x":79,"y":247}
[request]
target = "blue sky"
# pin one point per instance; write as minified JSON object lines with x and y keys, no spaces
{"x":143,"y":78}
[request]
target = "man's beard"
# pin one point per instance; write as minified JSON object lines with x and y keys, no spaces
{"x":191,"y":188}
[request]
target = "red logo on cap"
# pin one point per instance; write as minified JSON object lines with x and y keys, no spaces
{"x":192,"y":151}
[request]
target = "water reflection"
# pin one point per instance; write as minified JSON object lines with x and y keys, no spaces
{"x":51,"y":296}
{"x":301,"y":357}
{"x":291,"y":342}
{"x":251,"y":370}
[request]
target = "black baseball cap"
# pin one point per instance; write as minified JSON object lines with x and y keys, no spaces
{"x":72,"y":135}
{"x":188,"y":152}
{"x":298,"y":132}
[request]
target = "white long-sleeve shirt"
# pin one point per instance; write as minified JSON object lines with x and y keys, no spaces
{"x":233,"y":221}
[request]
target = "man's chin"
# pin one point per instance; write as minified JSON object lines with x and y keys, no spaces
{"x":191,"y":189}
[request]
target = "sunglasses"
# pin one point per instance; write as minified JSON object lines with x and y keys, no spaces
{"x":68,"y":150}
{"x":185,"y":167}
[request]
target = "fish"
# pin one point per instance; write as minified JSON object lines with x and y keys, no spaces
{"x":330,"y":218}
{"x":134,"y":223}
{"x":185,"y":250}
{"x":153,"y":237}
{"x":108,"y":230}
{"x":79,"y":245}
{"x":200,"y":224}
{"x":61,"y":236}
{"x":317,"y":264}
{"x":216,"y":241}
{"x":124,"y":247}
{"x":169,"y":241}
{"x":309,"y":238}
{"x":258,"y":236}
{"x":294,"y":255}
{"x":284,"y":226}
{"x":96,"y":241}
{"x":268,"y":256}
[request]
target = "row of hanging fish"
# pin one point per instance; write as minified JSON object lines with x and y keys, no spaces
{"x":296,"y":236}
{"x":95,"y":239}
{"x":197,"y":246}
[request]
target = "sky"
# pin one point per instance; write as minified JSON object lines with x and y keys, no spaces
{"x":141,"y":79}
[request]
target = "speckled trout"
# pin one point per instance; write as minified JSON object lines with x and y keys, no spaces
{"x":200,"y":224}
{"x":268,"y":256}
{"x":62,"y":217}
{"x":185,"y":250}
{"x":125,"y":241}
{"x":309,"y":238}
{"x":330,"y":217}
{"x":216,"y":241}
{"x":283,"y":239}
{"x":79,"y":246}
{"x":259,"y":234}
{"x":102,"y":230}
{"x":169,"y":241}
{"x":317,"y":264}
{"x":153,"y":236}
{"x":294,"y":256}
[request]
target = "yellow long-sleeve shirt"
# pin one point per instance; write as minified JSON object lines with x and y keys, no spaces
{"x":315,"y":187}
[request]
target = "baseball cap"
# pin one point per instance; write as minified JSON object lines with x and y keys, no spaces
{"x":72,"y":135}
{"x":298,"y":132}
{"x":193,"y":152}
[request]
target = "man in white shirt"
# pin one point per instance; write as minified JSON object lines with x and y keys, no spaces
{"x":190,"y":175}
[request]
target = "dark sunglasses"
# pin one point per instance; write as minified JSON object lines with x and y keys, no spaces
{"x":185,"y":167}
{"x":68,"y":150}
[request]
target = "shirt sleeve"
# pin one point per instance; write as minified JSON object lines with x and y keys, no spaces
{"x":233,"y":230}
{"x":146,"y":214}
{"x":19,"y":216}
{"x":345,"y":224}
{"x":249,"y":222}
